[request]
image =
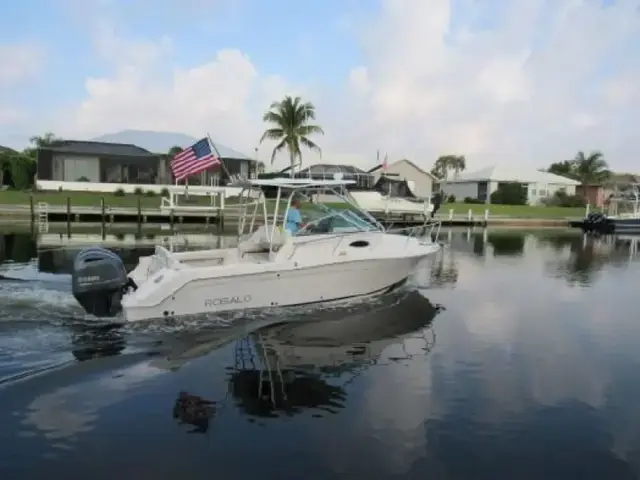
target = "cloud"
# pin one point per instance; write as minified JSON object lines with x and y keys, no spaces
{"x":532,"y":82}
{"x":534,"y":88}
{"x":11,"y":116}
{"x":19,"y":61}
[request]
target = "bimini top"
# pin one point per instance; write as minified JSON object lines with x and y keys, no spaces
{"x":291,"y":183}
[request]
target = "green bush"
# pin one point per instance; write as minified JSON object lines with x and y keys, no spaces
{"x":562,"y":199}
{"x":82,"y":179}
{"x":473,"y":201}
{"x":138,"y":191}
{"x":150,"y":193}
{"x":451,"y":199}
{"x":510,"y":193}
{"x":119,"y":192}
{"x":164,"y":192}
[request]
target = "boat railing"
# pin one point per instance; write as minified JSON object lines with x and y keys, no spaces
{"x":430,"y":228}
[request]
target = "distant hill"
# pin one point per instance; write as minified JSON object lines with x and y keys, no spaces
{"x":161,"y":142}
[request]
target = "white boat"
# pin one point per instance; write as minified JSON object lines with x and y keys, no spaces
{"x":338,"y":255}
{"x":376,"y":203}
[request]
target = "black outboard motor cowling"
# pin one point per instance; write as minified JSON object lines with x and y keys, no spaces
{"x":98,"y":281}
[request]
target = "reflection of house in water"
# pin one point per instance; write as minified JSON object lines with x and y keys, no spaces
{"x":60,"y":260}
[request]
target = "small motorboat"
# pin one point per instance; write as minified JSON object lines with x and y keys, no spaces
{"x":340,"y":254}
{"x":623,"y":214}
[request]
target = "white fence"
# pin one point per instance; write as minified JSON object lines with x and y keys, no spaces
{"x":95,"y":187}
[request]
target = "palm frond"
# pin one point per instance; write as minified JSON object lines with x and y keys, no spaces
{"x":310,"y":145}
{"x":272,"y":134}
{"x":277,"y":148}
{"x":306,"y":130}
{"x":274,"y":117}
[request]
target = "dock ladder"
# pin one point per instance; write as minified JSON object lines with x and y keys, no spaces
{"x":43,"y":217}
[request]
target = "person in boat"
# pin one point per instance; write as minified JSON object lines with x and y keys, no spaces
{"x":294,"y":217}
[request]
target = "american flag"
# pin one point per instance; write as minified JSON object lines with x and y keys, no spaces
{"x":194,"y":159}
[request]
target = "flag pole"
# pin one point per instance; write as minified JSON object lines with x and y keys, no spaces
{"x":213,"y":145}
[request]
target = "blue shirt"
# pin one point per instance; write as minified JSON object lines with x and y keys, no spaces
{"x":294,"y":220}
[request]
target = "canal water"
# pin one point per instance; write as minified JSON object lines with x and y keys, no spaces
{"x":513,"y":355}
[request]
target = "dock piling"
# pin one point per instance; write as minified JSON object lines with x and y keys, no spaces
{"x":32,"y":209}
{"x":69,"y":217}
{"x":102,"y":217}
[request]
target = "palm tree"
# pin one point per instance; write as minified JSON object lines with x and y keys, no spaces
{"x":458,"y":164}
{"x":592,"y":168}
{"x":566,"y":168}
{"x":291,"y":128}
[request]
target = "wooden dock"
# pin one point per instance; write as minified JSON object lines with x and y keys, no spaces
{"x":40,"y":216}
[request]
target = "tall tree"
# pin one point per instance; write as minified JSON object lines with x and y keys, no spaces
{"x":446,"y":163}
{"x":40,"y":141}
{"x":173,"y":151}
{"x":290,"y":126}
{"x":591,"y":168}
{"x":587,"y":169}
{"x":566,"y":168}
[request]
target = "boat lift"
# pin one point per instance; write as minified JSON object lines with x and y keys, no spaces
{"x":171,"y":203}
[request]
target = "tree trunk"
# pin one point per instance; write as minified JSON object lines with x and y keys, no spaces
{"x":292,"y":160}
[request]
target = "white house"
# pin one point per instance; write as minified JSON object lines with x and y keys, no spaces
{"x":482,"y":183}
{"x":420,"y":181}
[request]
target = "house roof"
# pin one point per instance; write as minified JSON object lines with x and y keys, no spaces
{"x":377,"y":169}
{"x":161,"y":142}
{"x":90,"y":148}
{"x":6,"y":149}
{"x":512,"y":173}
{"x":420,"y":169}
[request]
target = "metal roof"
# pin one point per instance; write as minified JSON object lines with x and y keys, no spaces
{"x":162,"y":142}
{"x":330,"y":169}
{"x":98,"y":149}
{"x":511,"y":173}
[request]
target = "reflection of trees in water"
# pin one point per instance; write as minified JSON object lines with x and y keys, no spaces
{"x":444,"y":270}
{"x":95,"y":342}
{"x":559,"y":241}
{"x":589,"y":255}
{"x":194,"y":410}
{"x":507,"y":244}
{"x":17,"y":247}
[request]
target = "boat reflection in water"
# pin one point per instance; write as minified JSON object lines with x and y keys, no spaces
{"x":289,"y":368}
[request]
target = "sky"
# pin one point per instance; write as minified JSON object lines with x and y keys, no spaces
{"x":525,"y":82}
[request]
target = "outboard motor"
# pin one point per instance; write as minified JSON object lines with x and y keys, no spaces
{"x":99,"y":280}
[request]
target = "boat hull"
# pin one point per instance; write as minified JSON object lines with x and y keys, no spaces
{"x":280,"y":288}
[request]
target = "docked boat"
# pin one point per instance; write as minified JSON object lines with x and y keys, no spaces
{"x":339,"y":254}
{"x":623,"y":214}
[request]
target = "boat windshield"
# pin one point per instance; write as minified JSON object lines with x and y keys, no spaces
{"x":325,"y":207}
{"x":319,"y":218}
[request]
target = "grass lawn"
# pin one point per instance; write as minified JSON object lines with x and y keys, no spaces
{"x":89,"y":199}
